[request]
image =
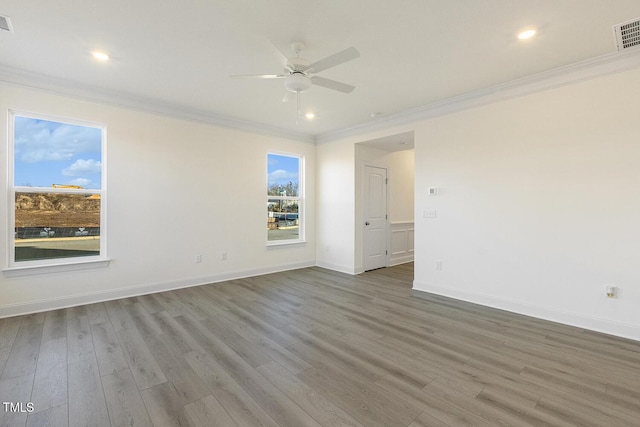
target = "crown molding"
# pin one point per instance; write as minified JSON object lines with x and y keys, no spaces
{"x":570,"y":74}
{"x":580,"y":71}
{"x":149,"y":105}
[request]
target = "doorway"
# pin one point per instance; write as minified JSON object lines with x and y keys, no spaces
{"x":385,"y":199}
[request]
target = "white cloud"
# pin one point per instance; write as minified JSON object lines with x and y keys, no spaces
{"x":281,"y":176}
{"x":83,"y":167}
{"x":41,"y":140}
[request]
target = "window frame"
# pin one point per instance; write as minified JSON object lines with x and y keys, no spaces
{"x":63,"y":263}
{"x":300,"y":198}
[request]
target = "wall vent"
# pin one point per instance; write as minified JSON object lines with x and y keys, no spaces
{"x":627,"y":34}
{"x":5,"y":24}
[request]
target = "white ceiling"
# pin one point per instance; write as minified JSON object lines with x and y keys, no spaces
{"x":179,"y":54}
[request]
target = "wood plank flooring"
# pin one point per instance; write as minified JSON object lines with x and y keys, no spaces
{"x":310,"y":347}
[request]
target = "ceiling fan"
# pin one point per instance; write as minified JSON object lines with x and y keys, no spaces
{"x":299,"y":73}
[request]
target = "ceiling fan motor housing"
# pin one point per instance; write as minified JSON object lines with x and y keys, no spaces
{"x":299,"y":64}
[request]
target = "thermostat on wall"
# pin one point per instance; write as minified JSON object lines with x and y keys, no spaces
{"x":433,"y":191}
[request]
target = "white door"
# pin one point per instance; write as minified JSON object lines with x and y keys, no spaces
{"x":375,"y":218}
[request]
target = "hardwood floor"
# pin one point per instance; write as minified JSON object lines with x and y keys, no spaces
{"x":310,"y":347}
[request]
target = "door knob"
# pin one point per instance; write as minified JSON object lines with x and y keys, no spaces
{"x":366,"y":223}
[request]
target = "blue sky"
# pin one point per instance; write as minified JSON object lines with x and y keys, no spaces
{"x":282,"y":169}
{"x":56,"y":153}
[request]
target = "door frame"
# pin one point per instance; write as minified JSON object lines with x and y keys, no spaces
{"x":364,"y":198}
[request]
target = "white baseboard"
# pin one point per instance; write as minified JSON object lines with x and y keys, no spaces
{"x":360,"y":269}
{"x":18,"y":309}
{"x":336,"y":267}
{"x":606,"y":326}
{"x":401,"y":260}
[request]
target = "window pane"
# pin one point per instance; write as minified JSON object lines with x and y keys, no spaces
{"x":54,"y":225}
{"x":283,"y":220}
{"x":52,"y":154}
{"x":48,"y":153}
{"x":283,"y":175}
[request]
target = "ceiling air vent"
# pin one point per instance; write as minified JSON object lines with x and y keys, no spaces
{"x":5,"y":24}
{"x":627,"y":34}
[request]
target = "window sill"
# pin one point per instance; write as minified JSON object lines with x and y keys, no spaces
{"x":285,"y":243}
{"x":54,"y":268}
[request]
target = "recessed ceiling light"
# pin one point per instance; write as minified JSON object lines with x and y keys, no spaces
{"x":527,"y":34}
{"x":100,"y":55}
{"x":310,"y":116}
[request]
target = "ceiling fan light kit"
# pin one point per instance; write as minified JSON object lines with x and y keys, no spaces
{"x":297,"y":82}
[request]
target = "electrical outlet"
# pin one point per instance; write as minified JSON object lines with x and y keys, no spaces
{"x":224,"y":256}
{"x":439,"y":265}
{"x":429,"y":214}
{"x":198,"y":259}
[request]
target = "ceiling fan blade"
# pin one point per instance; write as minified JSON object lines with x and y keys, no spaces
{"x":332,"y":84}
{"x":284,"y":60}
{"x":288,"y":96}
{"x":333,"y":60}
{"x":258,"y":76}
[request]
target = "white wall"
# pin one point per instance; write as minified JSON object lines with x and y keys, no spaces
{"x":401,"y":185}
{"x":336,"y":206}
{"x":539,"y":204}
{"x":175,"y":189}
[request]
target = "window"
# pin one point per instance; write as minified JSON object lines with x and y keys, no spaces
{"x":285,"y":199}
{"x":57,"y":196}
